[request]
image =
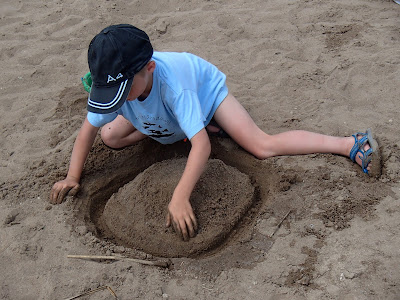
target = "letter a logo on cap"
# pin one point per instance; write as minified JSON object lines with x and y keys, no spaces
{"x":110,"y":78}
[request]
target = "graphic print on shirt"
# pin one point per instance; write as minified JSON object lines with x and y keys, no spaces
{"x":156,"y":131}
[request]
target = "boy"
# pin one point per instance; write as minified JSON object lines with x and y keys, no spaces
{"x":173,"y":96}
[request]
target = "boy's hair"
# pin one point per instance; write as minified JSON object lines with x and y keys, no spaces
{"x":115,"y":55}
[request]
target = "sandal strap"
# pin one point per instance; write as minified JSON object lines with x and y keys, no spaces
{"x":358,"y":147}
{"x":358,"y":144}
{"x":366,"y":159}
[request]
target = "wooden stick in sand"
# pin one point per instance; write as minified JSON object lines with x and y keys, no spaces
{"x":280,"y":223}
{"x":157,"y":263}
{"x":104,"y":287}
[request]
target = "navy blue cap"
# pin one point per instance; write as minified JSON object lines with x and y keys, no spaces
{"x":115,"y":55}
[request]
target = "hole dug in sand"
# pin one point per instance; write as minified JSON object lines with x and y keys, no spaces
{"x":135,"y":214}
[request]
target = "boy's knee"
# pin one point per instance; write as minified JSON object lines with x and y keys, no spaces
{"x":262,"y":149}
{"x":256,"y":150}
{"x":260,"y":154}
{"x":108,"y":139}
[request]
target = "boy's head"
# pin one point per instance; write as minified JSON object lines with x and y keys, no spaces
{"x":115,"y":55}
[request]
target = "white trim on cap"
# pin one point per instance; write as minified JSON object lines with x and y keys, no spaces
{"x":113,"y":102}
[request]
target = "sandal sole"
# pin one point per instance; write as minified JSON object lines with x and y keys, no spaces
{"x":376,"y":167}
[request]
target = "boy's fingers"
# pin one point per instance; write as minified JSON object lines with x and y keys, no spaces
{"x":177,"y":228}
{"x":194,"y":221}
{"x":190,"y":228}
{"x":62,"y":194}
{"x":54,"y":195}
{"x":184,"y":231}
{"x":74,"y":190}
{"x":185,"y":228}
{"x":168,"y":223}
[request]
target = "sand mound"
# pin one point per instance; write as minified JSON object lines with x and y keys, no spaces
{"x":136,"y":213}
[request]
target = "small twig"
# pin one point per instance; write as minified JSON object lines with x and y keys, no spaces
{"x":104,"y":287}
{"x":280,"y":223}
{"x":157,"y":263}
{"x":14,"y":223}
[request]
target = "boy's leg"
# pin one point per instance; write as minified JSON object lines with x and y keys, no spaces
{"x":120,"y":133}
{"x":235,"y":120}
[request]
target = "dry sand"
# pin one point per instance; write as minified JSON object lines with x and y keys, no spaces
{"x":325,"y":66}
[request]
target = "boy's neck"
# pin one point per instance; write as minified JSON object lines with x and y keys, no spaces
{"x":147,"y":91}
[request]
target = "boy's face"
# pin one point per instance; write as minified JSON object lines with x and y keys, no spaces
{"x":138,"y":87}
{"x":142,"y":82}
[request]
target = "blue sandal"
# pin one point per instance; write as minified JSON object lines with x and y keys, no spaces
{"x":366,"y":156}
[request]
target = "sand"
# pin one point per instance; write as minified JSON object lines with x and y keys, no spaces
{"x":326,"y":66}
{"x":135,"y":215}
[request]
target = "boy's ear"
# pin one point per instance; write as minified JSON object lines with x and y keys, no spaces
{"x":151,"y":65}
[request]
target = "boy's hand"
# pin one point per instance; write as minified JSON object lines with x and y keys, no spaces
{"x":180,"y":214}
{"x":62,"y":188}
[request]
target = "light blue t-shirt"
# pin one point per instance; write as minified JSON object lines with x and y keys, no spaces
{"x":185,"y":94}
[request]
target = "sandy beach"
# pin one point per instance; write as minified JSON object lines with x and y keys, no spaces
{"x":318,"y":227}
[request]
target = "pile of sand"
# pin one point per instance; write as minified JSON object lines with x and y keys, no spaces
{"x":136,"y":213}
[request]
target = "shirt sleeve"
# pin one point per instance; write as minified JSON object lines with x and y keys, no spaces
{"x":188,"y":112}
{"x":99,"y":120}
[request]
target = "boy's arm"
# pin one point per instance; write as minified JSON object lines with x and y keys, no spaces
{"x":82,"y":146}
{"x":180,"y":212}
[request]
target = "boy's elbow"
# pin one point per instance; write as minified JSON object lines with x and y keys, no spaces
{"x":204,"y":146}
{"x":202,"y":141}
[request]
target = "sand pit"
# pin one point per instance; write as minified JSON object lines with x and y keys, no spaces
{"x":136,"y":213}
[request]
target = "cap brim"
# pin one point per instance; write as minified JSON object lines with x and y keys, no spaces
{"x":105,"y":100}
